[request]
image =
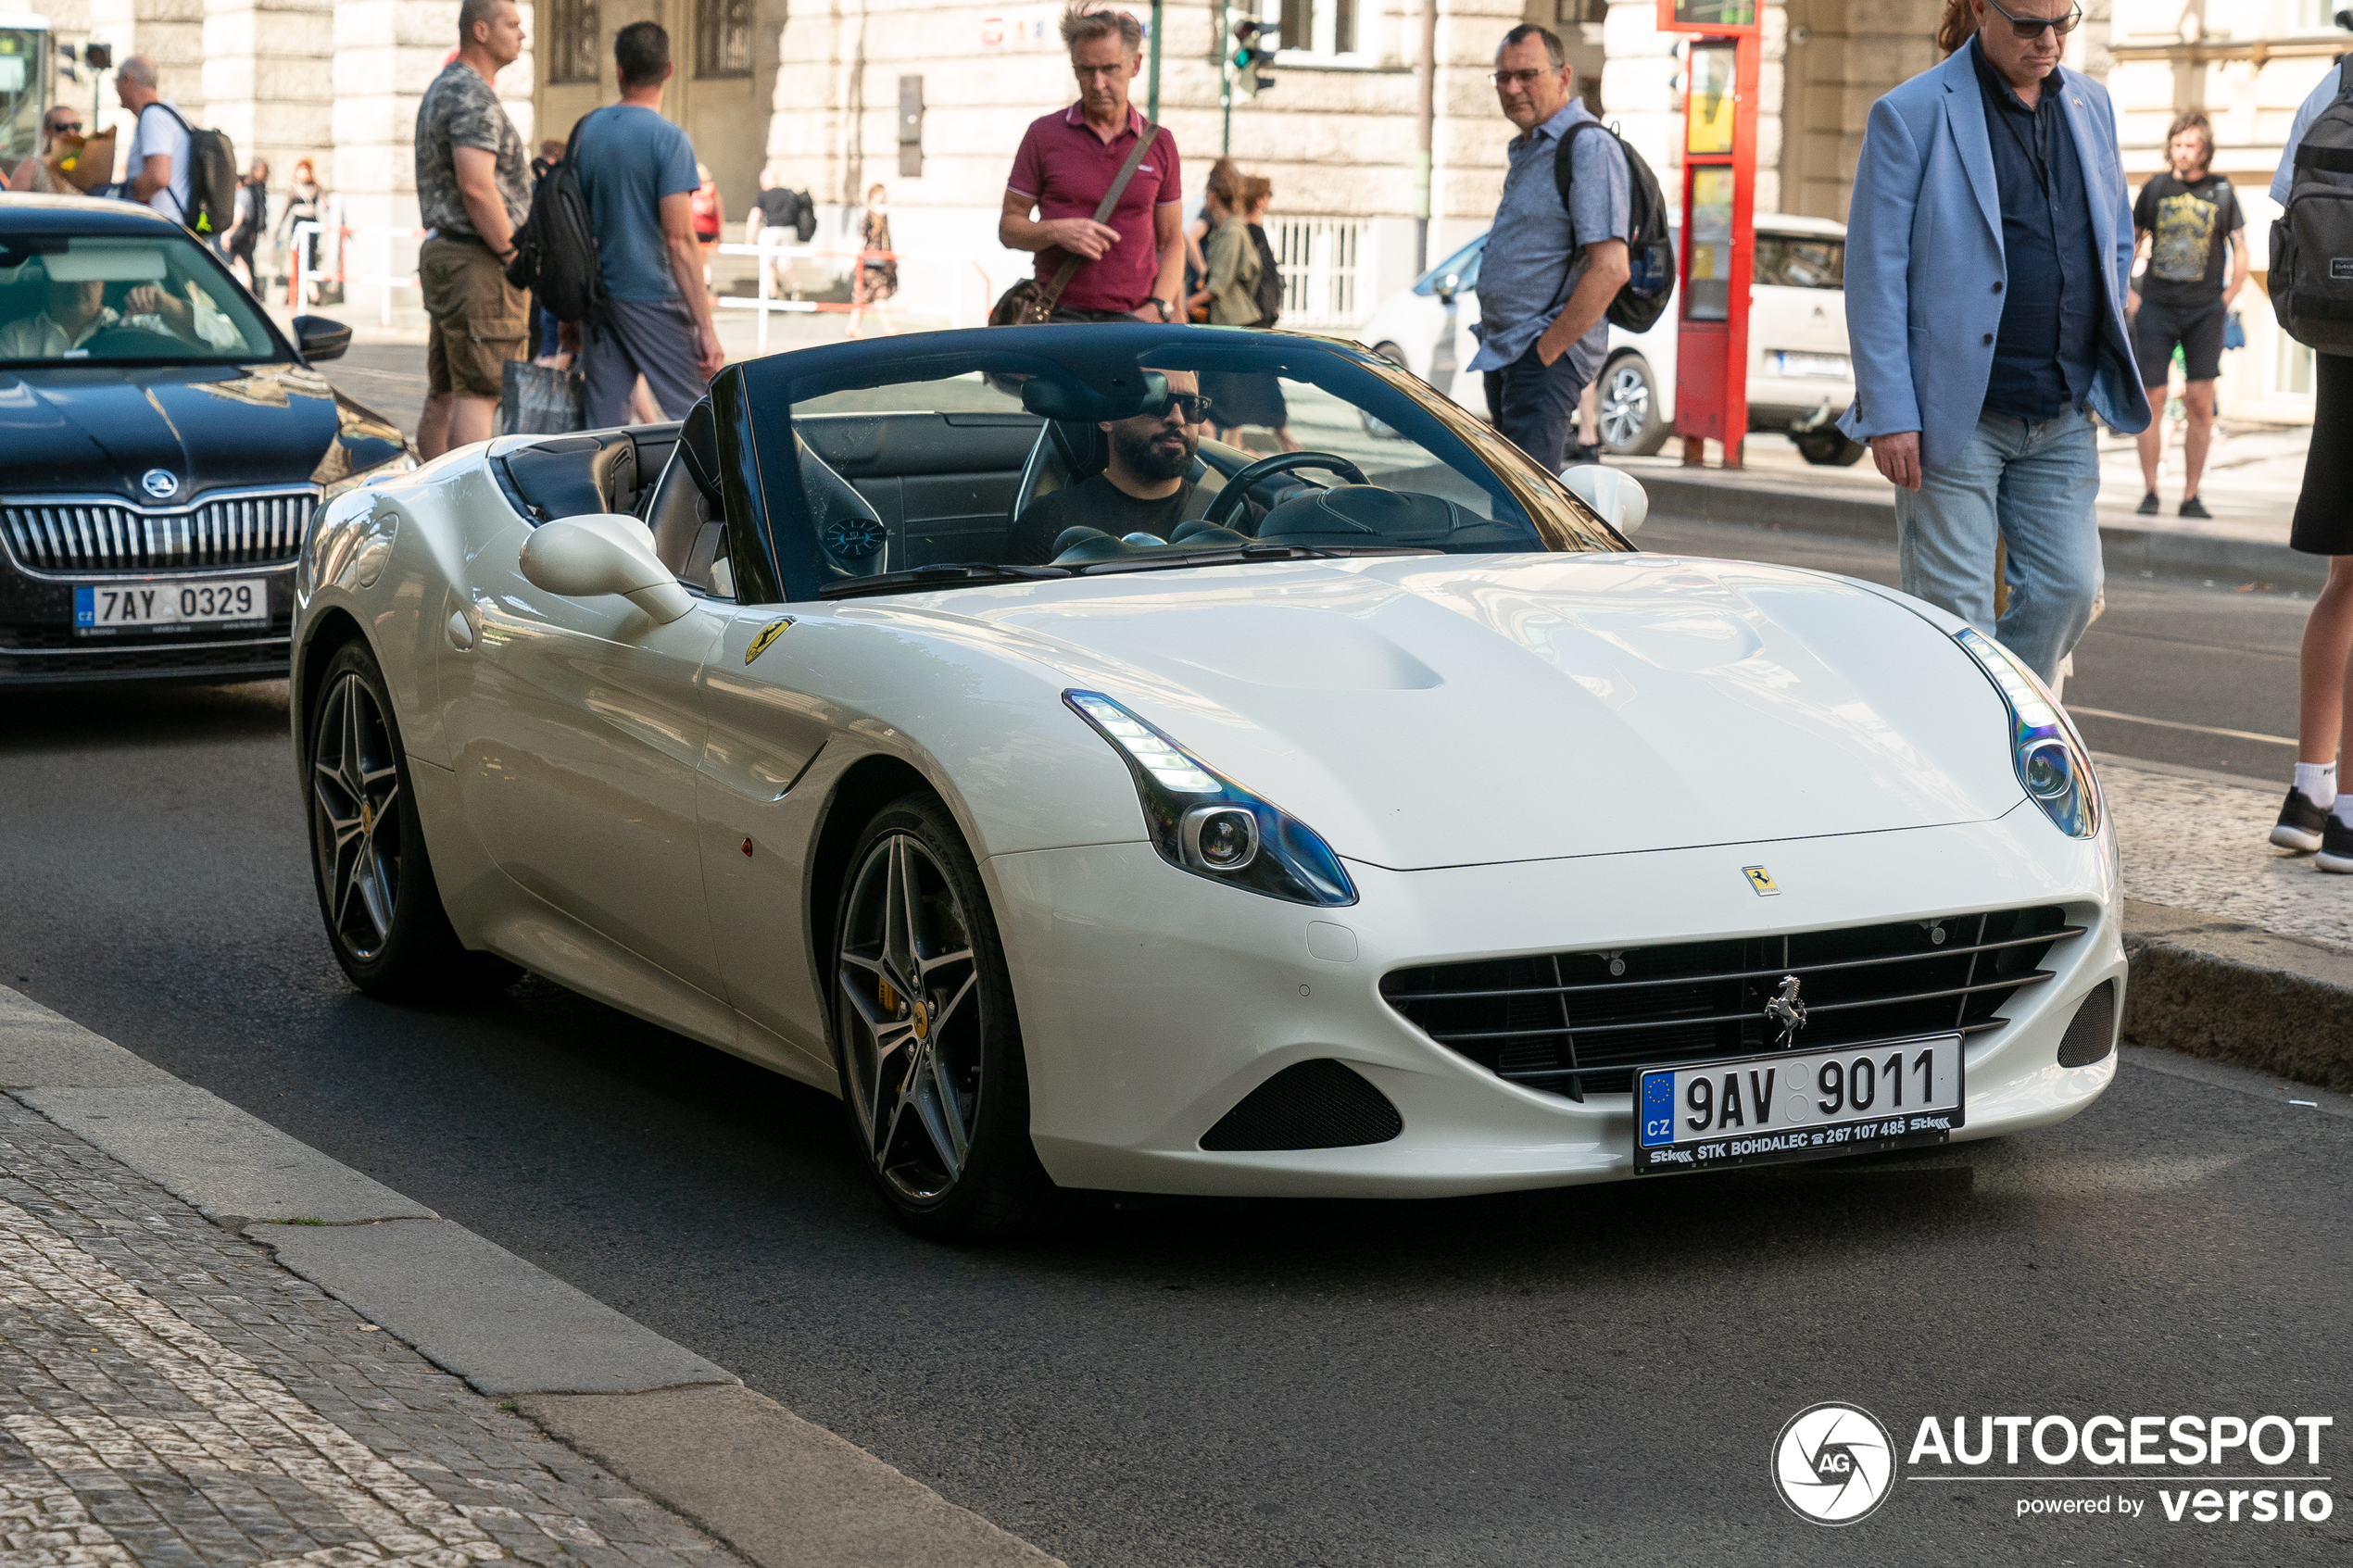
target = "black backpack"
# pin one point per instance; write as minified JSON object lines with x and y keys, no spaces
{"x":1650,"y":254}
{"x":1269,"y":291}
{"x":2311,"y":276}
{"x":556,"y":248}
{"x":212,"y":177}
{"x":805,"y":217}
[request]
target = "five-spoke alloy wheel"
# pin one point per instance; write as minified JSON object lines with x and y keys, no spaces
{"x":930,"y":1056}
{"x":383,"y":914}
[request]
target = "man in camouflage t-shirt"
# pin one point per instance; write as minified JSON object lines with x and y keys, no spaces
{"x":473,"y":190}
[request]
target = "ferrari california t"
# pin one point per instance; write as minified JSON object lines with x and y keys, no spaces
{"x":949,"y":722}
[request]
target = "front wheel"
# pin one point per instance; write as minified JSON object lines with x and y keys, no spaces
{"x":1626,"y":408}
{"x":932,"y":1072}
{"x":383,"y":913}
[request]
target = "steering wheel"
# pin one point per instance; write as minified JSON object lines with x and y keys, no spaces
{"x":1236,"y":490}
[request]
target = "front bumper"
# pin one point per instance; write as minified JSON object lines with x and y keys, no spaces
{"x":39,"y":646}
{"x":1151,"y":1001}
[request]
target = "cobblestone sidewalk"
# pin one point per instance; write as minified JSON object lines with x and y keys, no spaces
{"x":2196,"y":844}
{"x":169,"y":1396}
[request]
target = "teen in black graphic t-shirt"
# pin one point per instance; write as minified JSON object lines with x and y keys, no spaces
{"x":2186,"y":217}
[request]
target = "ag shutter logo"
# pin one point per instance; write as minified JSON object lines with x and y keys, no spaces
{"x":1833,"y":1463}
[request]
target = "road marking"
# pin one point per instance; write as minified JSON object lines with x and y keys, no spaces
{"x":2177,"y":724}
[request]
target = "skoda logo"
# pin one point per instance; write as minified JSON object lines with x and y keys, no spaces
{"x":1833,"y":1463}
{"x":162,"y":483}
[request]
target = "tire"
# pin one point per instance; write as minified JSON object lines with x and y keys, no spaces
{"x":933,"y":1079}
{"x":377,"y":897}
{"x":1626,"y":408}
{"x":1828,"y":448}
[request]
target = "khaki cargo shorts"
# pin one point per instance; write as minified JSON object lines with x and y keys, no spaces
{"x":480,"y":321}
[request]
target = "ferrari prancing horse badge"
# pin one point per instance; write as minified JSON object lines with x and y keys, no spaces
{"x":768,"y":634}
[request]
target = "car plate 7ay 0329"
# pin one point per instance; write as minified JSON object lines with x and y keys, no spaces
{"x":1798,"y":1105}
{"x":167,"y":604}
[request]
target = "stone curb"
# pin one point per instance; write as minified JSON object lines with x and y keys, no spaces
{"x":1772,"y":503}
{"x":684,"y":1431}
{"x":2215,"y":988}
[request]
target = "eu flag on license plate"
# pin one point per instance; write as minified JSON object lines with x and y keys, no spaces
{"x":86,"y":607}
{"x":1658,"y":1108}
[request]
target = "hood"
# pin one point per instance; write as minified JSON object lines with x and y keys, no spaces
{"x":92,"y":430}
{"x":1419,"y":713}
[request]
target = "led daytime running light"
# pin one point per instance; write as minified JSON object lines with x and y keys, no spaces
{"x":2046,"y":753}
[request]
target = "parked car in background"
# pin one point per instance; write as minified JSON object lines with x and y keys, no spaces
{"x":1800,"y":377}
{"x":162,"y":449}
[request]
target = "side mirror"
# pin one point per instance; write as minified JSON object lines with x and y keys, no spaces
{"x":1447,"y":285}
{"x":321,"y":339}
{"x":1617,"y":496}
{"x":583,"y":556}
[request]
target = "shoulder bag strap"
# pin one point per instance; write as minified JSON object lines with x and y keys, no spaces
{"x":1053,"y":293}
{"x":159,"y":103}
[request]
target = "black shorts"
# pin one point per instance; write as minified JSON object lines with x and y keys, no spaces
{"x":2197,"y":328}
{"x":2323,"y":524}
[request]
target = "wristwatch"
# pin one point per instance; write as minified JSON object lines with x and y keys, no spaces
{"x":1167,"y":309}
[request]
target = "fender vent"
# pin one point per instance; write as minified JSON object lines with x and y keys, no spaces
{"x":1308,"y":1105}
{"x":2092,"y":1033}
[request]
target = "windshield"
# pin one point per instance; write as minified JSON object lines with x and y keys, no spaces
{"x":144,"y":297}
{"x":1165,"y":449}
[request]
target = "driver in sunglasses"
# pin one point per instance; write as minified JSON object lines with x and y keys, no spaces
{"x":1146,"y":486}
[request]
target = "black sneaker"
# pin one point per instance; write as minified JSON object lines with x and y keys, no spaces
{"x":2336,"y":846}
{"x":2149,"y":505}
{"x":2300,"y":823}
{"x":2192,"y":507}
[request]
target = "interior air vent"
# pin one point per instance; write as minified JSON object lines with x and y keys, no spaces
{"x":1308,"y":1105}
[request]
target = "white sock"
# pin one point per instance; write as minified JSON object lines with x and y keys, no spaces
{"x":2317,"y":780}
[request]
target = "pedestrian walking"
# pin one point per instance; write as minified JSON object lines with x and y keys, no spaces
{"x":1241,"y":279}
{"x":1550,"y":268}
{"x":33,"y":173}
{"x":2188,"y":217}
{"x":876,"y":276}
{"x":2317,"y":815}
{"x":638,"y":172}
{"x":780,"y":217}
{"x":1132,"y":265}
{"x":306,"y":202}
{"x":1984,"y":352}
{"x":710,"y":214}
{"x":158,"y":161}
{"x":1226,"y":184}
{"x":250,"y":215}
{"x":473,"y":190}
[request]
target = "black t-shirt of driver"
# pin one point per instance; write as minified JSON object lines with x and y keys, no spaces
{"x":1094,"y":503}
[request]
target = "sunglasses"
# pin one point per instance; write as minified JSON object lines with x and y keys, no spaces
{"x":2030,"y":28}
{"x":65,"y":128}
{"x":1190,"y":406}
{"x":1518,"y":78}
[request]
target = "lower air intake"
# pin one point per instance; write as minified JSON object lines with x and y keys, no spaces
{"x":2091,"y":1035}
{"x":1309,"y":1105}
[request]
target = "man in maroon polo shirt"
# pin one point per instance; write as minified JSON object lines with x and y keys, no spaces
{"x":1134,"y":265}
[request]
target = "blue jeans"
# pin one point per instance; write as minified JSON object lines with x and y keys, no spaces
{"x":2033,"y":484}
{"x":1535,"y":405}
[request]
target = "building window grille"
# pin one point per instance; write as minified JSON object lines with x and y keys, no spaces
{"x":723,"y":38}
{"x":1318,"y":259}
{"x":571,"y":40}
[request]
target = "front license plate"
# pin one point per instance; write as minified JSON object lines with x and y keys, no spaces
{"x":163,"y":604}
{"x":1836,"y":367}
{"x":1798,"y":1105}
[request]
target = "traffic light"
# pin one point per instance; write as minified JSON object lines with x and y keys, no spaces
{"x":1252,"y":57}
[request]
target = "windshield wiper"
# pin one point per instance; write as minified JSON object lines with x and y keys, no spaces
{"x":1231,"y":555}
{"x":947,"y":575}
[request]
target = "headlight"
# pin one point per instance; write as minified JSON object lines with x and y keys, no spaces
{"x":398,"y":463}
{"x":2049,"y":755}
{"x":1203,"y":822}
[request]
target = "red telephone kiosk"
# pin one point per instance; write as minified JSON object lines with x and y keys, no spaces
{"x":1719,"y":230}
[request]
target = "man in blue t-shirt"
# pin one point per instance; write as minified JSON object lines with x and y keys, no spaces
{"x":637,"y":170}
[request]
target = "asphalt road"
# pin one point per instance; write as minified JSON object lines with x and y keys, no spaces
{"x":1590,"y":1375}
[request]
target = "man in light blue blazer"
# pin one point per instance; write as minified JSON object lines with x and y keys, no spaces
{"x":1988,"y":248}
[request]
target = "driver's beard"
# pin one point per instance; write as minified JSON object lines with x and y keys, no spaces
{"x":1147,"y":461}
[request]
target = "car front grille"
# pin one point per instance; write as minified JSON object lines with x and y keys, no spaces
{"x":259,"y":656}
{"x":99,"y":534}
{"x":1579,"y":1024}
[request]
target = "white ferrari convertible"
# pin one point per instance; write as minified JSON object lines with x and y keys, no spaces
{"x":951,"y":723}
